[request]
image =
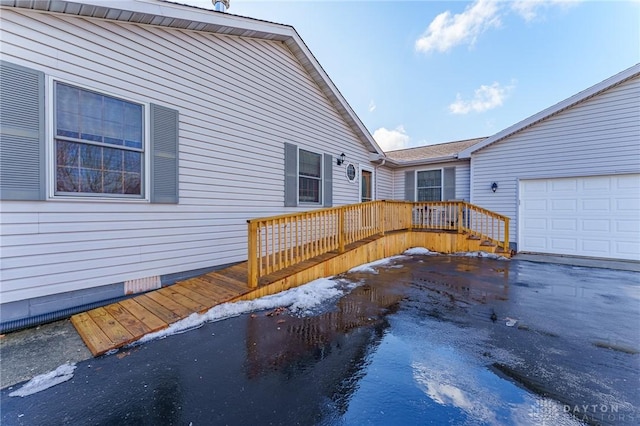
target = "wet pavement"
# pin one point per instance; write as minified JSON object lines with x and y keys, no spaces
{"x":421,"y":340}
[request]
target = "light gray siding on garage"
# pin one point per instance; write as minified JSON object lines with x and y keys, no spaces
{"x":599,"y":136}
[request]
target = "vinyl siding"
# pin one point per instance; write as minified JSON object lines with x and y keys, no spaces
{"x":239,"y":100}
{"x":384,"y":183}
{"x":599,"y":136}
{"x":462,"y":178}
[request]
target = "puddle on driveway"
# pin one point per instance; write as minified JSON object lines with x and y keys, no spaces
{"x":425,"y":340}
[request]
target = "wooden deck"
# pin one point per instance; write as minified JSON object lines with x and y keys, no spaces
{"x":116,"y":325}
{"x":124,"y":322}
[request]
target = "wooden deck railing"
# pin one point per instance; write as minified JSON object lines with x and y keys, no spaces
{"x":278,"y":242}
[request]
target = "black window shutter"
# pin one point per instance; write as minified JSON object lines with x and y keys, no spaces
{"x":328,"y":180}
{"x":410,"y":185}
{"x":449,"y":183}
{"x":290,"y":175}
{"x":22,"y":142}
{"x":164,"y":155}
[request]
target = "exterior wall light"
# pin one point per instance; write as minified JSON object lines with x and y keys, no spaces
{"x":494,"y":186}
{"x":340,"y":159}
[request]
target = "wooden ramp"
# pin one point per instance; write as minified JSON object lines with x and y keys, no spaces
{"x":113,"y":326}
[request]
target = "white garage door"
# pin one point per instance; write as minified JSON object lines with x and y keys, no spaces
{"x":589,"y":216}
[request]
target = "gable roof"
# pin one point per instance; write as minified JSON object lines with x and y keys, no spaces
{"x":173,"y":15}
{"x":430,"y":153}
{"x":592,"y":91}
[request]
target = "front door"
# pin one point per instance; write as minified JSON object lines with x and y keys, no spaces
{"x":366,"y":182}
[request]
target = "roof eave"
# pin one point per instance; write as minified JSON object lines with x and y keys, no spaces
{"x":422,"y":162}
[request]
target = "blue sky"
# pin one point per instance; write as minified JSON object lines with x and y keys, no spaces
{"x":424,"y":72}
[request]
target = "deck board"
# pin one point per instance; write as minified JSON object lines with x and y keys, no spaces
{"x":165,"y":300}
{"x":153,"y":322}
{"x":134,"y":326}
{"x":112,"y":328}
{"x":157,"y":309}
{"x":91,"y":334}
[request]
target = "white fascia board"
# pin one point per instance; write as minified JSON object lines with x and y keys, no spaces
{"x":328,"y":85}
{"x":170,"y":10}
{"x":631,"y":72}
{"x":435,"y":160}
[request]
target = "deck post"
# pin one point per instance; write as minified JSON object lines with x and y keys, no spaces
{"x":252,"y":254}
{"x":460,"y":218}
{"x":506,"y":234}
{"x":341,"y":229}
{"x":381,"y":216}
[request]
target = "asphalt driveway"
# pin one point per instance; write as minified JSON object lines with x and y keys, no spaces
{"x":426,"y":339}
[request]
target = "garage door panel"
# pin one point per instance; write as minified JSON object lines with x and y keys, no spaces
{"x":565,"y":185}
{"x":587,"y":216}
{"x":538,"y":244}
{"x":596,"y":205}
{"x":596,"y":248}
{"x":597,"y":184}
{"x":628,"y":226}
{"x":596,"y":225}
{"x":537,"y":186}
{"x":564,"y":224}
{"x":628,"y":182}
{"x":628,"y":204}
{"x":564,"y":244}
{"x":628,"y":249}
{"x":539,"y":224}
{"x":564,"y":205}
{"x":536,"y":205}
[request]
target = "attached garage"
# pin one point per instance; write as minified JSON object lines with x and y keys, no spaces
{"x":597,"y":216}
{"x":568,"y":177}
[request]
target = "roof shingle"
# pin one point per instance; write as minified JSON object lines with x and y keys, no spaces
{"x":427,"y":152}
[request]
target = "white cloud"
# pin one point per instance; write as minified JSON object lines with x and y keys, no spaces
{"x":531,"y":9}
{"x":447,"y":30}
{"x":372,"y":106}
{"x":390,"y":140}
{"x":484,"y":99}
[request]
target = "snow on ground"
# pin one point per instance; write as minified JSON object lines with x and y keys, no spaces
{"x":299,"y":300}
{"x":420,"y":251}
{"x":370,"y":267}
{"x":480,"y":254}
{"x":47,"y":380}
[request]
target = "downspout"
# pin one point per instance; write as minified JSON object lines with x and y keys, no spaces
{"x":383,"y":160}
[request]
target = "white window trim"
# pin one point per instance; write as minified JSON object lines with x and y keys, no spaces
{"x":50,"y":143}
{"x":373,"y":181}
{"x":441,"y":169}
{"x":322,"y":188}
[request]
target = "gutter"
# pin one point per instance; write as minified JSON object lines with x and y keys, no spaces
{"x":443,"y":159}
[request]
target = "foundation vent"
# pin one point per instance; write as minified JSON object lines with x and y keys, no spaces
{"x":142,"y":284}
